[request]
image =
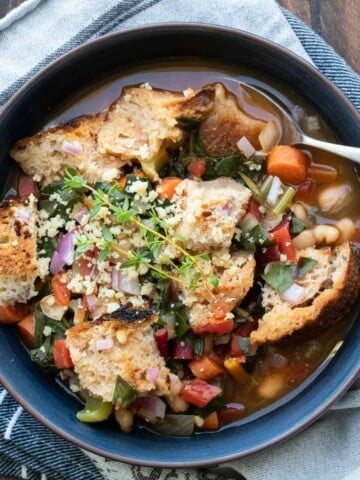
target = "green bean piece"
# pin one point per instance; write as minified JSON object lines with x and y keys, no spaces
{"x":95,"y":410}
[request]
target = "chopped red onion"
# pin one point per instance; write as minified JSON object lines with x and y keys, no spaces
{"x":121,"y":282}
{"x":81,"y":214}
{"x":104,"y":344}
{"x":57,"y":263}
{"x":92,"y":302}
{"x":245,"y":147}
{"x":73,"y":148}
{"x":235,"y":406}
{"x":270,"y":136}
{"x":297,"y":112}
{"x":275,"y":360}
{"x":23,"y":215}
{"x":295,"y":294}
{"x":275,"y":191}
{"x":153,"y":374}
{"x":98,"y":312}
{"x":150,"y":408}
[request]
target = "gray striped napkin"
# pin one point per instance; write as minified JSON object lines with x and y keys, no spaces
{"x":327,"y":450}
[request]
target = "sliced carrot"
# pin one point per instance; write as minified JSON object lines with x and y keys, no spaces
{"x":322,"y":174}
{"x":26,"y":328}
{"x":211,"y":422}
{"x":205,"y":368}
{"x":166,"y":188}
{"x":60,"y":290}
{"x":61,"y":354}
{"x":13,"y":313}
{"x":197,"y":167}
{"x":287,"y":163}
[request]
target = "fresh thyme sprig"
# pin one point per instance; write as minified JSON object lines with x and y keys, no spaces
{"x":154,"y":239}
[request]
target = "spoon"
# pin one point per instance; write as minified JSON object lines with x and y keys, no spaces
{"x":291,"y":132}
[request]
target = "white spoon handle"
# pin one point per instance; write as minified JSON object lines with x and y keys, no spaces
{"x":352,"y":153}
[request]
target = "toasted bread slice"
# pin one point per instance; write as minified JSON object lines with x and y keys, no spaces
{"x":332,"y":288}
{"x":142,"y":124}
{"x":236,"y":277}
{"x":132,"y":354}
{"x":18,"y":266}
{"x":227,"y":123}
{"x":72,"y":144}
{"x":210,"y":212}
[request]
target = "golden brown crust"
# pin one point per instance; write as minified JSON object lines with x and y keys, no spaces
{"x":330,"y":306}
{"x":227,"y":123}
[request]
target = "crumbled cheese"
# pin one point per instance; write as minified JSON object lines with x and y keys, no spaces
{"x":47,"y":331}
{"x":283,"y":257}
{"x":43,"y":267}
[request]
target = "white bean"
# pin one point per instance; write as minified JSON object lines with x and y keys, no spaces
{"x":335,"y":198}
{"x":347,"y":230}
{"x":299,"y":210}
{"x":176,"y":403}
{"x":125,"y":419}
{"x":326,"y":234}
{"x":305,"y":239}
{"x":271,"y":386}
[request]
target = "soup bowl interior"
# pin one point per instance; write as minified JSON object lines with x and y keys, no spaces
{"x":53,"y":92}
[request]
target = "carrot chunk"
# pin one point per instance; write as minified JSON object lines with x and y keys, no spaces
{"x":205,"y":368}
{"x":211,"y":422}
{"x":60,"y":290}
{"x":13,"y":313}
{"x":287,"y":163}
{"x":197,"y":167}
{"x":26,"y":329}
{"x":167,"y":186}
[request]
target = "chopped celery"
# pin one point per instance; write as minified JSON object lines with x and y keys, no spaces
{"x":285,"y":200}
{"x":250,"y":184}
{"x":248,"y":222}
{"x":265,"y":187}
{"x":95,"y":410}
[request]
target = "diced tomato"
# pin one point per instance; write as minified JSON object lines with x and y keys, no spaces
{"x":13,"y":313}
{"x":86,"y":266}
{"x":220,"y":327}
{"x":205,"y":368}
{"x":245,"y":328}
{"x":281,"y":236}
{"x":253,"y":208}
{"x":267,"y":254}
{"x":27,"y":186}
{"x":26,"y":328}
{"x":61,"y":355}
{"x":60,"y":290}
{"x":161,"y":338}
{"x":197,"y":167}
{"x":167,"y":186}
{"x":199,"y":393}
{"x":231,"y":414}
{"x":182,"y":351}
{"x":81,"y":312}
{"x":305,"y":192}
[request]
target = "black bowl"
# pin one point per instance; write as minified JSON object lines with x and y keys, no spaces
{"x":41,"y":100}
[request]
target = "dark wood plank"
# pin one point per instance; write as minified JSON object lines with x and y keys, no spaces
{"x":7,"y":5}
{"x":338,"y":22}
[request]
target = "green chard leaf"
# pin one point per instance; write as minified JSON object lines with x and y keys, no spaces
{"x":296,"y":225}
{"x":280,"y":276}
{"x":305,"y":264}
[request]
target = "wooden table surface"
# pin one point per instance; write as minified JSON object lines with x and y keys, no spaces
{"x":337,"y":21}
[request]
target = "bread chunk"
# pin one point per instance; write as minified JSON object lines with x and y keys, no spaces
{"x":132,"y":354}
{"x":236,"y":277}
{"x":18,"y":266}
{"x":210,"y":212}
{"x":72,"y":144}
{"x":227,"y":123}
{"x":142,"y":124}
{"x":332,"y":287}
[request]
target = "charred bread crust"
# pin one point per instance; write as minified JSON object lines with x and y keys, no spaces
{"x":328,"y":308}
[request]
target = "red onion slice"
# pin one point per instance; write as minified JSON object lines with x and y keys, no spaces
{"x":153,"y":374}
{"x":295,"y":294}
{"x":92,"y":302}
{"x":150,"y":408}
{"x":57,"y":263}
{"x":65,"y":247}
{"x":23,"y":215}
{"x":275,"y":360}
{"x":81,"y":214}
{"x":104,"y":344}
{"x":73,"y":148}
{"x":122,"y":282}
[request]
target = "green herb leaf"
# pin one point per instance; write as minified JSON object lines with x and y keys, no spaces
{"x":124,"y":393}
{"x":107,"y":235}
{"x":305,"y":265}
{"x":280,"y":276}
{"x":182,"y":325}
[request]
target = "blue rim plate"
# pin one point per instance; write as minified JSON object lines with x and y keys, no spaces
{"x":37,"y":102}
